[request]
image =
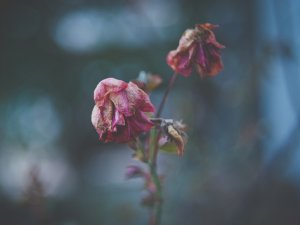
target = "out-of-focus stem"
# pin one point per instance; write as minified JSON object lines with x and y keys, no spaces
{"x":154,"y":135}
{"x":158,"y":196}
{"x":163,"y":101}
{"x":153,"y":150}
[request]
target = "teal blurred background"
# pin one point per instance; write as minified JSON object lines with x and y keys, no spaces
{"x":241,"y":164}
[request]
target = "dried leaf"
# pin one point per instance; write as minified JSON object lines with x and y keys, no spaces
{"x":177,"y":138}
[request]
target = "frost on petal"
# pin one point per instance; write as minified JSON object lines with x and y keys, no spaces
{"x":98,"y":122}
{"x":118,"y":114}
{"x":120,"y":100}
{"x":118,"y":119}
{"x":107,"y":113}
{"x":140,"y":98}
{"x":107,"y":86}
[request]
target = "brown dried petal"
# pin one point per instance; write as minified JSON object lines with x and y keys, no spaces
{"x":177,"y":138}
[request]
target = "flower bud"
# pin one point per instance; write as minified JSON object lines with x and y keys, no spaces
{"x":133,"y":171}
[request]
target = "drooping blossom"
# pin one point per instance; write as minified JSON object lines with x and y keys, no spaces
{"x":119,"y":111}
{"x":197,"y":48}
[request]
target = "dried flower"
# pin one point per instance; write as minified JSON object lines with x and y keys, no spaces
{"x":119,"y":111}
{"x":197,"y":48}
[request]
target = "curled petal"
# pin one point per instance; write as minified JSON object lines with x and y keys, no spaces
{"x":180,"y":62}
{"x":139,"y":98}
{"x":107,"y":86}
{"x":120,"y":100}
{"x":186,"y":40}
{"x":98,"y":122}
{"x":209,"y":61}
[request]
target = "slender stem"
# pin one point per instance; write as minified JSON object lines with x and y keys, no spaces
{"x":163,"y":101}
{"x":154,"y":136}
{"x":153,"y":151}
{"x":158,"y":195}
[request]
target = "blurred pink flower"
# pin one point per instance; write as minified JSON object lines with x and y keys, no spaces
{"x":119,"y":111}
{"x":133,"y":171}
{"x":197,"y":47}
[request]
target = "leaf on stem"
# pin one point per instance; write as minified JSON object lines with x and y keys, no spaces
{"x":175,"y":137}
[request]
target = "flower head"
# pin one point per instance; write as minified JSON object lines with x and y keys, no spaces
{"x":119,"y":111}
{"x":197,"y":48}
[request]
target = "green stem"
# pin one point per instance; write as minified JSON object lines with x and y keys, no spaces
{"x":153,"y":151}
{"x":158,"y":196}
{"x":154,"y":135}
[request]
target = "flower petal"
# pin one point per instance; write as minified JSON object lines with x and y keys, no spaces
{"x":98,"y":122}
{"x":139,"y":123}
{"x":139,"y":98}
{"x":180,"y":62}
{"x":120,"y":100}
{"x":107,"y":86}
{"x":209,"y":62}
{"x":118,"y":119}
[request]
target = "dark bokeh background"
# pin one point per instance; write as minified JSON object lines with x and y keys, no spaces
{"x":241,"y":164}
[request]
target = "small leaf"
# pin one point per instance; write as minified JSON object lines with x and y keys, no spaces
{"x":169,"y":147}
{"x":177,"y":138}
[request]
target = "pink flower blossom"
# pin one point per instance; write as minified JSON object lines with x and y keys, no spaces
{"x":119,"y":111}
{"x":197,"y":48}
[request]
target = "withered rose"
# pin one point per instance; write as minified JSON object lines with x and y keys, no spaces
{"x":119,"y":111}
{"x":197,"y":48}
